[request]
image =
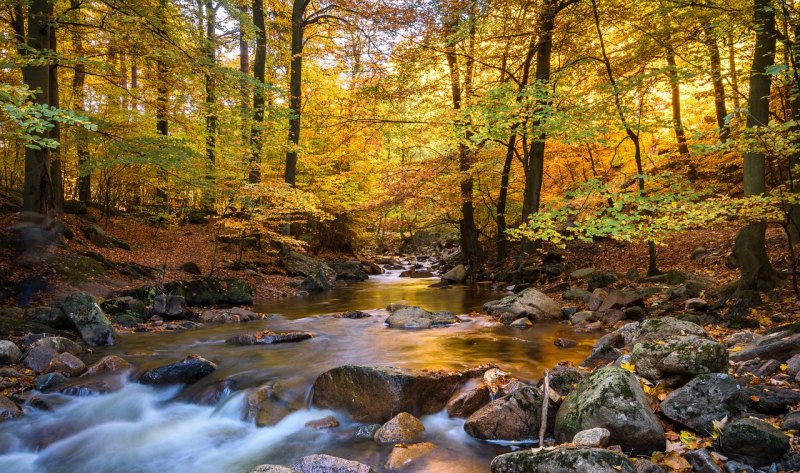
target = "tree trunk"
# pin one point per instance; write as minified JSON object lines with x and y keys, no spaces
{"x":793,"y":227}
{"x":749,"y":248}
{"x":716,"y":81}
{"x":502,"y":200}
{"x":244,"y":68}
{"x":55,"y":132}
{"x":211,"y":99}
{"x":295,"y":90}
{"x":38,"y":195}
{"x":534,"y":162}
{"x":259,"y":70}
{"x":652,"y":267}
{"x":733,"y":74}
{"x":675,"y":90}
{"x":469,"y":233}
{"x":162,"y":103}
{"x":79,"y":105}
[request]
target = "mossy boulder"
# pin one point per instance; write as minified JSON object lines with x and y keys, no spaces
{"x":516,"y":416}
{"x":677,"y":359}
{"x":77,"y":268}
{"x":126,"y":305}
{"x":563,"y":460}
{"x":90,"y":320}
{"x":706,"y":398}
{"x":50,"y":316}
{"x":611,"y":398}
{"x":298,"y":264}
{"x":753,"y":442}
{"x":528,"y":303}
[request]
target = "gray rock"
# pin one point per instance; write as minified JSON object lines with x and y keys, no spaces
{"x":50,"y":316}
{"x":530,"y":303}
{"x":268,"y":337}
{"x":516,"y":416}
{"x":9,"y":353}
{"x":596,"y":299}
{"x":563,"y":460}
{"x":791,"y":421}
{"x":107,"y":365}
{"x":602,"y":279}
{"x":703,"y":400}
{"x":317,"y":282}
{"x":191,"y":369}
{"x":793,"y":364}
{"x":330,"y":464}
{"x":456,"y":275}
{"x":597,"y":437}
{"x":39,"y":358}
{"x":50,"y":382}
{"x":582,"y":273}
{"x":576,"y":294}
{"x":102,"y":239}
{"x":468,"y":400}
{"x":612,"y":316}
{"x":646,"y":466}
{"x":753,"y":442}
{"x":367,"y":432}
{"x":271,"y":469}
{"x":349,"y":271}
{"x":402,"y":428}
{"x":68,"y":364}
{"x":376,"y":393}
{"x":635,"y":313}
{"x":696,"y":304}
{"x":89,"y":319}
{"x":702,"y":462}
{"x":402,"y":456}
{"x":611,"y":398}
{"x":266,"y":405}
{"x":621,"y":300}
{"x":736,"y":467}
{"x":770,"y":399}
{"x":601,"y":356}
{"x":59,"y":344}
{"x":169,"y":306}
{"x":298,"y":264}
{"x":8,"y":410}
{"x":417,"y":317}
{"x":582,"y":316}
{"x":779,"y":346}
{"x":564,"y":343}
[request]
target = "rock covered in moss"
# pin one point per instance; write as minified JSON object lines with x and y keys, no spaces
{"x":706,"y":398}
{"x":329,"y":464}
{"x":563,"y":460}
{"x":89,"y":319}
{"x":611,"y":398}
{"x":753,"y":441}
{"x":516,"y":416}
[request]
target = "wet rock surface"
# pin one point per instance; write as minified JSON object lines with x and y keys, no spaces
{"x":419,"y":318}
{"x":191,"y":369}
{"x":268,"y":337}
{"x":516,"y":416}
{"x":563,"y":460}
{"x":753,"y":442}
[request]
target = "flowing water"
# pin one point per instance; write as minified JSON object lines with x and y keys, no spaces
{"x":144,"y":429}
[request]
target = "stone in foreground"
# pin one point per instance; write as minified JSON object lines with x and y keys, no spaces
{"x":705,"y":399}
{"x":611,"y":398}
{"x":402,"y":428}
{"x":513,"y":417}
{"x":563,"y":460}
{"x":330,"y":464}
{"x":89,"y":319}
{"x":403,"y":455}
{"x":753,"y":442}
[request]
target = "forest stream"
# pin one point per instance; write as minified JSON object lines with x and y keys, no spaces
{"x":146,"y":429}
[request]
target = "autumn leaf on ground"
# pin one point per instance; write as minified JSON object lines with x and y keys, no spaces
{"x":628,"y":366}
{"x":717,"y":426}
{"x":674,"y":462}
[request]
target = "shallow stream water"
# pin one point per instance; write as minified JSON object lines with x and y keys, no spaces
{"x":146,"y":429}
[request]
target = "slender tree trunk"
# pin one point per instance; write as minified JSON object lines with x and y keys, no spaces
{"x":38,"y":192}
{"x":469,"y":233}
{"x":55,"y":132}
{"x":794,"y":159}
{"x":716,"y":81}
{"x":295,"y":90}
{"x":675,"y":90}
{"x":79,"y":105}
{"x":502,"y":200}
{"x":211,"y":99}
{"x":162,"y":103}
{"x":259,"y":67}
{"x":750,"y":248}
{"x":652,"y":268}
{"x":244,"y":68}
{"x":733,"y":74}
{"x":534,"y":169}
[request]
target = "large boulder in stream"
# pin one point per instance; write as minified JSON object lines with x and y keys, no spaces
{"x":528,"y":303}
{"x":375,"y":394}
{"x":563,"y":460}
{"x":201,"y":292}
{"x":187,"y":371}
{"x":89,"y":319}
{"x":298,"y":264}
{"x":705,"y":399}
{"x":417,"y":317}
{"x":611,"y":398}
{"x":513,"y":417}
{"x":350,"y":271}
